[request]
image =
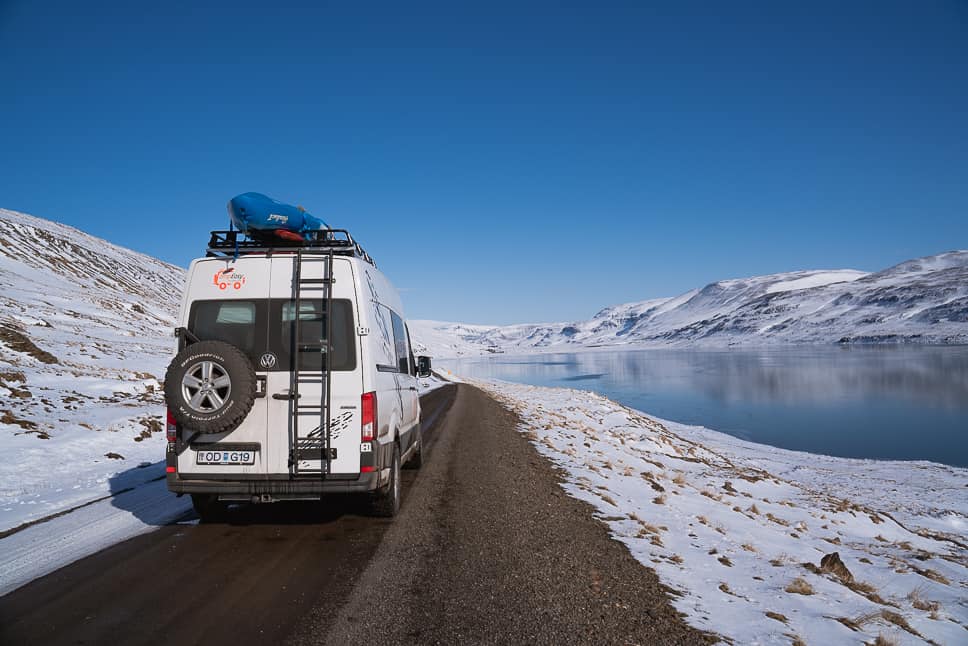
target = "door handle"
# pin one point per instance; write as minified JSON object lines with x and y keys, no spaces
{"x":286,"y":394}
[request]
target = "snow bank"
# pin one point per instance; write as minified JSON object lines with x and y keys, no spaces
{"x":739,"y":530}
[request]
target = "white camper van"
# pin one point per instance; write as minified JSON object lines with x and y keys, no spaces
{"x":294,"y":376}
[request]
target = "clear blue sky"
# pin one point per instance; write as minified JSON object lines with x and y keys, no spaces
{"x":503,"y":163}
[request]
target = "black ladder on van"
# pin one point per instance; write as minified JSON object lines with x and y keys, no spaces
{"x":309,"y":448}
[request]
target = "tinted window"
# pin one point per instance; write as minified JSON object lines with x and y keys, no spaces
{"x":312,"y":333}
{"x":231,"y":321}
{"x":261,"y":326}
{"x":400,"y":343}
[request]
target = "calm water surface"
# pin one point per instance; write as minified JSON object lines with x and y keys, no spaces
{"x":899,"y":403}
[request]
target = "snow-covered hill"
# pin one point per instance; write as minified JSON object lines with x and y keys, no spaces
{"x":918,"y":301}
{"x":85,"y":336}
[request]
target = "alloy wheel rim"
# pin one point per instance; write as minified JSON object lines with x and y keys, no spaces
{"x":206,"y":386}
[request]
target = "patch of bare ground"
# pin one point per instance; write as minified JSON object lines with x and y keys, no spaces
{"x":17,"y":341}
{"x":9,"y":418}
{"x":151,"y":425}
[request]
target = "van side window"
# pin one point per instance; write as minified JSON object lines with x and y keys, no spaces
{"x":400,"y":343}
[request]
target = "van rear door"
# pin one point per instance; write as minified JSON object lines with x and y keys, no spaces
{"x":304,"y":359}
{"x":227,"y":302}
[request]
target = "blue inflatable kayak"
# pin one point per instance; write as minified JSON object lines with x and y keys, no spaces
{"x":255,"y":212}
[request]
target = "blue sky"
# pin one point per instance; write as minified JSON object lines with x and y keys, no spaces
{"x":503,"y":162}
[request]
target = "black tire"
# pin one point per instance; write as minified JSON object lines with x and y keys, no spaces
{"x":209,"y":508}
{"x":210,"y":387}
{"x":416,"y":458}
{"x":386,"y":501}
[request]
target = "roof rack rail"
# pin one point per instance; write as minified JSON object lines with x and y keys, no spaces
{"x":232,"y":243}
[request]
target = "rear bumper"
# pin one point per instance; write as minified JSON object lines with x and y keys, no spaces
{"x":303,"y":488}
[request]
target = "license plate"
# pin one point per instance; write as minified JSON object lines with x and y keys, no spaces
{"x":225,"y":457}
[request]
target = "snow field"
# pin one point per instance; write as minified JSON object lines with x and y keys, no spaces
{"x":738,"y":530}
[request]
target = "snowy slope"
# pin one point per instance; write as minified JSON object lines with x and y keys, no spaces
{"x":85,"y":336}
{"x":918,"y":301}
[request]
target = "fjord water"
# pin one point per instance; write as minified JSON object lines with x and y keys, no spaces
{"x":884,"y":402}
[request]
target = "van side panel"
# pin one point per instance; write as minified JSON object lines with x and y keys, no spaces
{"x":383,"y":371}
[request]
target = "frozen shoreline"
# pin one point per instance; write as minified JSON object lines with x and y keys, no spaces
{"x":739,"y":529}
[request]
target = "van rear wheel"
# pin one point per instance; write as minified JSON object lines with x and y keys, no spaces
{"x":209,"y":508}
{"x":386,"y":501}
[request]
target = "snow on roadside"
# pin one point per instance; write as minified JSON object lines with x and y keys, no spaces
{"x":429,"y":384}
{"x":50,"y":545}
{"x":739,"y":530}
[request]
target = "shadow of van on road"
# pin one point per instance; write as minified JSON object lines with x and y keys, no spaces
{"x":143,"y":492}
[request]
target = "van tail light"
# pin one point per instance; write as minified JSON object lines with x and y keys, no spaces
{"x":171,"y":428}
{"x":369,"y":417}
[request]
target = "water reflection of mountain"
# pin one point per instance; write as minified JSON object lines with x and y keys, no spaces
{"x":934,"y":377}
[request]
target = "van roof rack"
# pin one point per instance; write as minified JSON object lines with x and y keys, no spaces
{"x":232,"y":243}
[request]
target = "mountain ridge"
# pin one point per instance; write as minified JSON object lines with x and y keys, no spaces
{"x":923,"y":300}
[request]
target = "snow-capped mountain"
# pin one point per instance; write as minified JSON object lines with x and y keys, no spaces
{"x":85,"y":337}
{"x":918,"y":301}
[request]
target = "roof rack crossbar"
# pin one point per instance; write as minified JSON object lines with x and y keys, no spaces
{"x":234,"y":243}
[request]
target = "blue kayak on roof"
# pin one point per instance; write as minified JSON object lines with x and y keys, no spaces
{"x":255,"y":212}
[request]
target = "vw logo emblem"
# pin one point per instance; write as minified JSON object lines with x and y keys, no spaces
{"x":268,"y":360}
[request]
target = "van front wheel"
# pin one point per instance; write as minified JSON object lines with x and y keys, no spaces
{"x":386,"y":501}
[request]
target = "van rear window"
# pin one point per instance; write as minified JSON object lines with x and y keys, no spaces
{"x":258,"y":327}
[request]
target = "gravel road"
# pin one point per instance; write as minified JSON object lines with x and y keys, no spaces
{"x":487,"y":548}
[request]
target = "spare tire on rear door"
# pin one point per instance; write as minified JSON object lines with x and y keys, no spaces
{"x":210,"y":387}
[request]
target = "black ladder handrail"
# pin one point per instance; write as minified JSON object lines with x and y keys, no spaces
{"x":326,"y":347}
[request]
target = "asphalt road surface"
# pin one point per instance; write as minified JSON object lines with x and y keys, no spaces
{"x":487,"y":548}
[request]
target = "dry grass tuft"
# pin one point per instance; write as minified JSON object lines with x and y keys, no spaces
{"x":858,"y":622}
{"x":899,"y":621}
{"x":775,"y":519}
{"x":799,"y":586}
{"x":777,"y":616}
{"x":919,"y":602}
{"x":883,"y":640}
{"x":675,"y":558}
{"x":754,"y":510}
{"x":725,"y":561}
{"x":748,"y":547}
{"x":680,"y":478}
{"x":933,"y":575}
{"x":659,"y":500}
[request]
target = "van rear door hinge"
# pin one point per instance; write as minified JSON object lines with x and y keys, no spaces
{"x":362,"y":330}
